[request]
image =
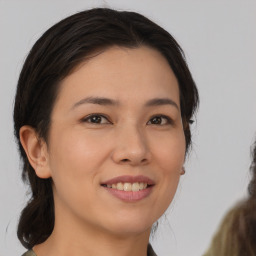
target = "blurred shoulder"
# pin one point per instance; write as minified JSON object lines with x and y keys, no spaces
{"x":29,"y":253}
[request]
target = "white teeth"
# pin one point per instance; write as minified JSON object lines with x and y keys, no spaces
{"x":136,"y":186}
{"x":141,"y":185}
{"x":120,"y":186}
{"x":129,"y":186}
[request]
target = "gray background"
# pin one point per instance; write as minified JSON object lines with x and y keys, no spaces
{"x":219,"y":39}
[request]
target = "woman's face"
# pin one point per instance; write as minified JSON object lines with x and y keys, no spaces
{"x":116,"y":143}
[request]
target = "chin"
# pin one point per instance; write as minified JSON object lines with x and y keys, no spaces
{"x":126,"y":231}
{"x":130,"y":226}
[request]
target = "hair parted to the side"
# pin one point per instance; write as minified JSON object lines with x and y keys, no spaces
{"x":53,"y":57}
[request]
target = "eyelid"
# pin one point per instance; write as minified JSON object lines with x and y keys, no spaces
{"x":169,"y":119}
{"x":86,"y":118}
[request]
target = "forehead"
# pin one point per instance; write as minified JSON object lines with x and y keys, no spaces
{"x":122,"y":73}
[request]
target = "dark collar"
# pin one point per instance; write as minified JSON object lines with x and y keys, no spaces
{"x":149,"y":253}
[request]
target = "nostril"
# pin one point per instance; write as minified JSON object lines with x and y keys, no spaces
{"x":125,"y":160}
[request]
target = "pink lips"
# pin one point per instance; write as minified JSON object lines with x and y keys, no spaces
{"x":129,"y":196}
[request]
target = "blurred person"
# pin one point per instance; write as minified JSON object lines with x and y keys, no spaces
{"x":237,"y":233}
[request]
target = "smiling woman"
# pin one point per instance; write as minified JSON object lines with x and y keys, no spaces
{"x":102,"y":118}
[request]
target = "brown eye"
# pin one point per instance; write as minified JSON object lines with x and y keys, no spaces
{"x":156,"y":120}
{"x":160,"y":120}
{"x":96,"y":119}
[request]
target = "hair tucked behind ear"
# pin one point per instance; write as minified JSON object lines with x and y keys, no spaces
{"x":53,"y":57}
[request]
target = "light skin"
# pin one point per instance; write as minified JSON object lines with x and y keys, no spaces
{"x":117,"y":114}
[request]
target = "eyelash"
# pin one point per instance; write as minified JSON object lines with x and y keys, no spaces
{"x":88,"y":119}
{"x":169,"y":121}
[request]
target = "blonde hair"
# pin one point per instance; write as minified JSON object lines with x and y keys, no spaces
{"x":236,"y":235}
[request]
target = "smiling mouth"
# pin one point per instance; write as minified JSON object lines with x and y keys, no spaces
{"x":127,"y":186}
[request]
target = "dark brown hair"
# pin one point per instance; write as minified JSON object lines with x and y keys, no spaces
{"x":53,"y":57}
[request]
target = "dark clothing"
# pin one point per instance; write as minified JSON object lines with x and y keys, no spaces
{"x":150,"y":252}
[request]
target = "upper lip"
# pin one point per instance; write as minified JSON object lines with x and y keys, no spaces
{"x":129,"y":179}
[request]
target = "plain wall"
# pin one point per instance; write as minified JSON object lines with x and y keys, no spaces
{"x":219,"y":40}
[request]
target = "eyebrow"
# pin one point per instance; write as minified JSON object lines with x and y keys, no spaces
{"x":96,"y":100}
{"x":110,"y":102}
{"x":161,"y":102}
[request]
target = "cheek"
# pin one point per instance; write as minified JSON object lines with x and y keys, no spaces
{"x":76,"y":153}
{"x":75,"y":161}
{"x":170,"y":152}
{"x":170,"y":156}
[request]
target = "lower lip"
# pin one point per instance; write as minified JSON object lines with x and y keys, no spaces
{"x":130,"y":196}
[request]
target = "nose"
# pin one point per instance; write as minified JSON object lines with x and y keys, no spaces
{"x":131,"y":147}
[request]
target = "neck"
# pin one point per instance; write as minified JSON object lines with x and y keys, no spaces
{"x":73,"y":237}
